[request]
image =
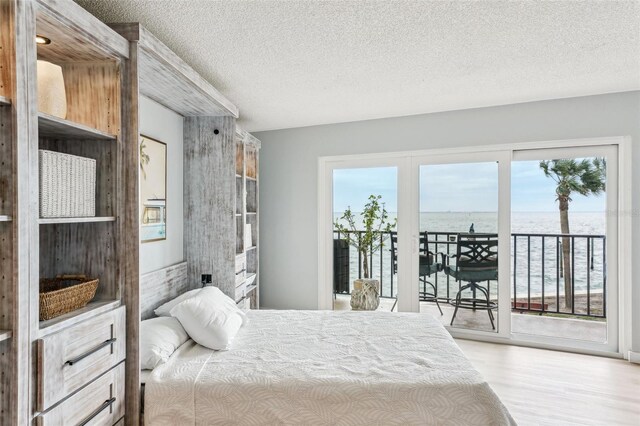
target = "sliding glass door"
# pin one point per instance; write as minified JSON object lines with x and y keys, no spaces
{"x":509,"y":244}
{"x":458,"y":241}
{"x":564,"y":246}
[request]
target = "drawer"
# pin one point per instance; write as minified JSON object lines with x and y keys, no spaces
{"x":100,"y":403}
{"x":240,"y":291}
{"x":71,"y":358}
{"x":241,"y":263}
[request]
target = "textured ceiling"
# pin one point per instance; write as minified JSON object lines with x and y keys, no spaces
{"x":299,"y":63}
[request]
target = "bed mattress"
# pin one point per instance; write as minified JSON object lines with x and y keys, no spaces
{"x":321,"y":367}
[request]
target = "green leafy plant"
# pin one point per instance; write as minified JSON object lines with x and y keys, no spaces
{"x":585,"y":177}
{"x":376,"y":227}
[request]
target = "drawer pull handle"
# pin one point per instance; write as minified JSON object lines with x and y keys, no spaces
{"x":91,"y":351}
{"x":101,"y":408}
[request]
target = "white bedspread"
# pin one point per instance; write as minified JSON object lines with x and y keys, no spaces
{"x":325,"y":368}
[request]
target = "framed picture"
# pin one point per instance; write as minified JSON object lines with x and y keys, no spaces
{"x":153,"y":190}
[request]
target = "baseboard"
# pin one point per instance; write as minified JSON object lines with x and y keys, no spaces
{"x":634,"y":357}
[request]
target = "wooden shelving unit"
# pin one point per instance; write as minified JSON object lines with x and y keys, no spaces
{"x":83,"y":245}
{"x":94,"y":63}
{"x":247,"y":149}
{"x":240,"y":191}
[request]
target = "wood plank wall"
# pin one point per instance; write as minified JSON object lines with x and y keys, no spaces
{"x":209,"y":200}
{"x":160,"y":286}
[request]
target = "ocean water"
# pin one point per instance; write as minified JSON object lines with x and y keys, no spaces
{"x":528,"y":268}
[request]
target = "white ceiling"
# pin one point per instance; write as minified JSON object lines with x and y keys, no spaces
{"x":299,"y":63}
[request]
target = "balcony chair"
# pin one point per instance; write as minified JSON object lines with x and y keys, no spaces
{"x":428,"y":266}
{"x":476,"y":261}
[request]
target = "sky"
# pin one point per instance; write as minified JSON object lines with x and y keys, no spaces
{"x":468,"y":187}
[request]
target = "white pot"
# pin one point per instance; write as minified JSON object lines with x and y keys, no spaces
{"x":52,"y":98}
{"x":365,"y":295}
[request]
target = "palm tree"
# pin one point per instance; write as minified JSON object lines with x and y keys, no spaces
{"x":585,"y":177}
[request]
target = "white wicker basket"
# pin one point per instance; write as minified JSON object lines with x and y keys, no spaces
{"x":67,"y":185}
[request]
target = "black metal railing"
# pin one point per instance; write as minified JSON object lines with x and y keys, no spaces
{"x":544,"y":277}
{"x":537,"y":273}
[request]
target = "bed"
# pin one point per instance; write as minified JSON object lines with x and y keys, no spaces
{"x":321,"y":367}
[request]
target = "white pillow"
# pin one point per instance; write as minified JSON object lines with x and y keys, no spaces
{"x":159,"y":338}
{"x":163,"y":310}
{"x":211,"y":319}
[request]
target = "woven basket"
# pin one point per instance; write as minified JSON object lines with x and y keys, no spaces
{"x":67,"y":185}
{"x":64,"y":294}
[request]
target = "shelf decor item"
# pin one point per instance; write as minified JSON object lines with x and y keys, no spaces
{"x":52,"y":98}
{"x":64,"y":294}
{"x":67,"y":185}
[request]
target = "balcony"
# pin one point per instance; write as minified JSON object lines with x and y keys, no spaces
{"x":537,"y":283}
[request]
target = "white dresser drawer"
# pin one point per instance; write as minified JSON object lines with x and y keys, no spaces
{"x":100,"y":403}
{"x":71,"y":358}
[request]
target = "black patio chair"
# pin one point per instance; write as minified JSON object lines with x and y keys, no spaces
{"x":476,"y":262}
{"x":428,"y":266}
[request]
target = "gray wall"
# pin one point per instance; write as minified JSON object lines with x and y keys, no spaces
{"x":162,"y":124}
{"x":289,"y":175}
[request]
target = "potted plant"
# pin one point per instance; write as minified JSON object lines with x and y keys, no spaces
{"x":376,"y":227}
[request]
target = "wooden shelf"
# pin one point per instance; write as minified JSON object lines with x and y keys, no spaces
{"x":252,"y":179}
{"x":250,"y":288}
{"x":5,"y":218}
{"x":252,"y":213}
{"x":56,"y":127}
{"x":5,"y":335}
{"x":252,"y":248}
{"x":238,"y":176}
{"x":55,"y":220}
{"x":4,"y":101}
{"x":92,"y":309}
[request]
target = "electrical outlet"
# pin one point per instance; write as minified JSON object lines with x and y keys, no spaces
{"x":206,"y":279}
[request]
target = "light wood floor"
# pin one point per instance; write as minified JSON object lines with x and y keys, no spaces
{"x":541,"y":387}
